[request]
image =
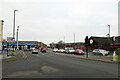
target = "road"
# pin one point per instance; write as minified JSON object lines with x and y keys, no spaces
{"x":47,"y":65}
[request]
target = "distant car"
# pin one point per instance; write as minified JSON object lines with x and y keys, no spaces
{"x":79,"y":52}
{"x":61,"y":50}
{"x":69,"y":50}
{"x":100,"y":52}
{"x":43,"y":50}
{"x":35,"y":51}
{"x":5,"y":48}
{"x":55,"y":50}
{"x":11,"y":49}
{"x":32,"y":48}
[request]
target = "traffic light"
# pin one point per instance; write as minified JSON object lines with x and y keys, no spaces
{"x":87,"y":43}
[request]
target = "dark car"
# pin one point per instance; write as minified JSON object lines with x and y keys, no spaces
{"x":43,"y":50}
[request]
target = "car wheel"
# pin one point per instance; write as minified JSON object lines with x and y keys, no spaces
{"x":94,"y":53}
{"x":101,"y":54}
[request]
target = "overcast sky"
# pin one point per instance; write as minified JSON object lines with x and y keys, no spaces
{"x":52,"y":20}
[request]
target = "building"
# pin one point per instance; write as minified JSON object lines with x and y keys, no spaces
{"x":108,"y":43}
{"x":21,"y":44}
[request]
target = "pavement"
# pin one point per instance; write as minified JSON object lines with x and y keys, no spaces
{"x":108,"y":58}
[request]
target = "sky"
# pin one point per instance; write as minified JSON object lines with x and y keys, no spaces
{"x":54,"y":20}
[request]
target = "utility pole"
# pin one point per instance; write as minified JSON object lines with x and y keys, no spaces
{"x":17,"y":37}
{"x":1,"y":35}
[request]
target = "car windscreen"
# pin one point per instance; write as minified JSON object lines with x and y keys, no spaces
{"x":78,"y":50}
{"x":103,"y":51}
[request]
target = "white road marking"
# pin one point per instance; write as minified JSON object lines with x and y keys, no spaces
{"x":24,"y":55}
{"x":37,"y":55}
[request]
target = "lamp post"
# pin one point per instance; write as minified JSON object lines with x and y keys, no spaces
{"x":109,"y":31}
{"x":74,"y":38}
{"x":17,"y":36}
{"x":74,"y":41}
{"x":1,"y":35}
{"x":14,"y":24}
{"x":64,"y":42}
{"x":14,"y":30}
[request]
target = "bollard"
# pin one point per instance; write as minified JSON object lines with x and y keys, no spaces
{"x":115,"y":57}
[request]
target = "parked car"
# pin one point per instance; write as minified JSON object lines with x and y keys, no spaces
{"x":69,"y":50}
{"x":100,"y":52}
{"x":79,"y":52}
{"x":43,"y":50}
{"x":61,"y":50}
{"x":5,"y":49}
{"x":32,"y":48}
{"x":55,"y":50}
{"x":35,"y":51}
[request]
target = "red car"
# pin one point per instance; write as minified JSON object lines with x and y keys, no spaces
{"x":79,"y":52}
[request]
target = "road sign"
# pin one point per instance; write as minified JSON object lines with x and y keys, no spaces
{"x":114,"y":38}
{"x":91,"y":41}
{"x":10,"y":39}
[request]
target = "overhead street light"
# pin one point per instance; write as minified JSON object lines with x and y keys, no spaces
{"x":109,"y":31}
{"x":14,"y":24}
{"x":14,"y":29}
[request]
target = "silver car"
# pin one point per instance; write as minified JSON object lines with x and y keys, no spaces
{"x":61,"y":50}
{"x":69,"y":50}
{"x":100,"y":52}
{"x":35,"y":51}
{"x":55,"y":50}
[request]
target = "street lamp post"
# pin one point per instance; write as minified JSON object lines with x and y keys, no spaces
{"x":1,"y":35}
{"x":64,"y":42}
{"x":14,"y":30}
{"x":14,"y":24}
{"x":74,"y":38}
{"x":17,"y":36}
{"x":74,"y":41}
{"x":109,"y":31}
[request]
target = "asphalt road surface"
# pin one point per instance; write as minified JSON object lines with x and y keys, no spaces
{"x":46,"y":65}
